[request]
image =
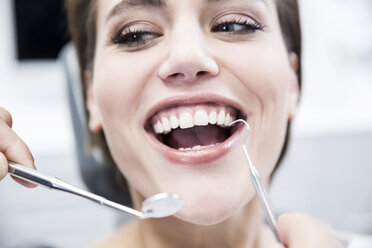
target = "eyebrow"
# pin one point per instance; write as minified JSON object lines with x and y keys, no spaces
{"x":127,"y":4}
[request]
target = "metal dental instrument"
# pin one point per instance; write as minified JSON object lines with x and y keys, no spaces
{"x":157,"y":206}
{"x":260,"y":189}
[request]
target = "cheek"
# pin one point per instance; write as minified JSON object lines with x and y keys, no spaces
{"x":117,"y":86}
{"x":263,"y":71}
{"x":262,"y":68}
{"x":120,"y":81}
{"x":121,"y":86}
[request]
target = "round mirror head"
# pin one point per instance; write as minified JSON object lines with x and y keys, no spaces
{"x":161,"y":205}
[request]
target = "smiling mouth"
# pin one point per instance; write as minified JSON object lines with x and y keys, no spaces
{"x":194,"y":127}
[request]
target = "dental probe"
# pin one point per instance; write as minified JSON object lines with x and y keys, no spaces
{"x":260,"y":189}
{"x":157,"y":206}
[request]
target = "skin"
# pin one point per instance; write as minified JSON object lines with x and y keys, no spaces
{"x":252,"y":69}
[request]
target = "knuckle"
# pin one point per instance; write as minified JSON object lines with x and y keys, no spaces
{"x":3,"y":168}
{"x":21,"y":146}
{"x":6,"y":117}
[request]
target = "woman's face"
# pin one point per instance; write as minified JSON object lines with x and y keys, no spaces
{"x":167,"y":78}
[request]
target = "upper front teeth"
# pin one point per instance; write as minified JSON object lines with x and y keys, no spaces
{"x":174,"y":122}
{"x":201,"y":118}
{"x":221,"y":118}
{"x":158,"y":127}
{"x":187,"y":120}
{"x":212,"y":117}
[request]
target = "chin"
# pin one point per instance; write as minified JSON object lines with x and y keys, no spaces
{"x":206,"y":217}
{"x":213,"y":208}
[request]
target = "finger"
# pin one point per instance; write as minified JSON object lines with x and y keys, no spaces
{"x":277,"y":245}
{"x":6,"y":117}
{"x":297,"y":230}
{"x":15,"y":150}
{"x":3,"y":166}
{"x":302,"y":231}
{"x":4,"y":171}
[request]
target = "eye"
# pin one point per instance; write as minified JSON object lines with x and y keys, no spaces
{"x":237,"y":26}
{"x":134,"y":39}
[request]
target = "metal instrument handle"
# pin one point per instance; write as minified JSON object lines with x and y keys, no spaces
{"x":40,"y":178}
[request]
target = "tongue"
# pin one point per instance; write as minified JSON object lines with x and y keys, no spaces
{"x":198,"y":135}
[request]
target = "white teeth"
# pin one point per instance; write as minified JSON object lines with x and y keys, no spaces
{"x":212,"y":117}
{"x":186,"y":121}
{"x":174,"y":122}
{"x":221,"y":118}
{"x":227,"y":120}
{"x":198,"y":147}
{"x":166,"y":124}
{"x":158,"y":127}
{"x":201,"y":118}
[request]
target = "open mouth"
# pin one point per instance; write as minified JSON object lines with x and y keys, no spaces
{"x":193,"y":126}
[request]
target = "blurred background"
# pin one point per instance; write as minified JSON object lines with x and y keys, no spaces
{"x":327,"y":172}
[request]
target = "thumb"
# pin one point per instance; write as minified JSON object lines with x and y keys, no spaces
{"x":302,"y":231}
{"x":277,"y":245}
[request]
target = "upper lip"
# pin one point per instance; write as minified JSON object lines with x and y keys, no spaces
{"x":192,"y":99}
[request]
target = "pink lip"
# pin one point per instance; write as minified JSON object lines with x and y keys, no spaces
{"x":202,"y":156}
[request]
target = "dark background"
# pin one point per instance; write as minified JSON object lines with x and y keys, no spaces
{"x":41,"y":28}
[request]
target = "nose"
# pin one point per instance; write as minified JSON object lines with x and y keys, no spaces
{"x":188,"y":60}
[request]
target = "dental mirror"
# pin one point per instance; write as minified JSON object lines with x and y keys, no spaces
{"x":157,"y":206}
{"x":161,"y":205}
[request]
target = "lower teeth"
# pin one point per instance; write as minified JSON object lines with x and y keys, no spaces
{"x":198,"y":147}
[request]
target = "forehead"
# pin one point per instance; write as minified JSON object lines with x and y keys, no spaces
{"x":114,"y":7}
{"x":164,"y":3}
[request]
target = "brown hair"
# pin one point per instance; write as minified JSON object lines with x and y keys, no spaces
{"x":290,"y":25}
{"x":82,"y":24}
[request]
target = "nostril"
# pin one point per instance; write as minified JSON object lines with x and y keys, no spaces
{"x":187,"y":76}
{"x":177,"y":75}
{"x":201,"y":73}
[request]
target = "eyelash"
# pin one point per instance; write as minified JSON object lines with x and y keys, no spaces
{"x":132,"y":38}
{"x":136,"y":39}
{"x":249,"y":26}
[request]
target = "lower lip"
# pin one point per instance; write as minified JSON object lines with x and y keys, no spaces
{"x":198,"y":157}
